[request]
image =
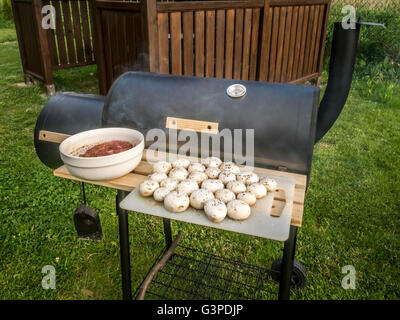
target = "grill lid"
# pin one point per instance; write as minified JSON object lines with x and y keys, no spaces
{"x":283,"y":116}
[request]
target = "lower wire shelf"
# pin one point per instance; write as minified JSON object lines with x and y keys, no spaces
{"x":192,"y":274}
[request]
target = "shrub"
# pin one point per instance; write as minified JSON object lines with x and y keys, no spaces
{"x":378,"y":49}
{"x":6,"y":10}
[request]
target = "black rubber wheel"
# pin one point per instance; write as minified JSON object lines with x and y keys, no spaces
{"x":299,"y":274}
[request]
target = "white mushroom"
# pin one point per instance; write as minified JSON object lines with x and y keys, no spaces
{"x":212,"y":185}
{"x":176,"y":202}
{"x":196,"y":167}
{"x":238,"y":210}
{"x":199,"y":197}
{"x":211,"y":162}
{"x":247,"y":197}
{"x":181,"y":163}
{"x":229,"y":166}
{"x":169,"y":183}
{"x":227,"y":176}
{"x":269,"y":183}
{"x":236,"y":186}
{"x":162,"y":167}
{"x":225,"y":195}
{"x":160,"y":194}
{"x":199,"y":177}
{"x":213,"y":172}
{"x":247,"y":177}
{"x":158,"y":176}
{"x":187,"y":186}
{"x":178,"y":173}
{"x":215,"y":210}
{"x":259,"y":190}
{"x":147,"y":187}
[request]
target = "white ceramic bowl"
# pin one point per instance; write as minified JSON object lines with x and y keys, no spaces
{"x":106,"y":167}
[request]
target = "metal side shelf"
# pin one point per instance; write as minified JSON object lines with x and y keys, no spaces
{"x":197,"y":275}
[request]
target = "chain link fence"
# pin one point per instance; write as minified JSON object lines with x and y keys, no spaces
{"x":368,"y":4}
{"x":379,"y":48}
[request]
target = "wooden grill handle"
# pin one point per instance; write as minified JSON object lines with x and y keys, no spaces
{"x":194,"y":125}
{"x":51,"y":136}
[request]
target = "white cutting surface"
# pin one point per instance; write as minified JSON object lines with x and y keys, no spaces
{"x":260,"y":223}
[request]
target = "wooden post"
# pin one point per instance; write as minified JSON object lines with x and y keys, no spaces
{"x":150,"y":33}
{"x":97,"y":35}
{"x":323,"y":38}
{"x":50,"y":34}
{"x":17,"y":23}
{"x":264,"y":45}
{"x":44,"y":48}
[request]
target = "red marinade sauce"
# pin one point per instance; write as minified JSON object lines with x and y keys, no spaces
{"x":107,"y":149}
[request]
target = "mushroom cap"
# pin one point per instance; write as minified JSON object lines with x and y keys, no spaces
{"x":179,"y":173}
{"x":236,"y":186}
{"x":247,"y":177}
{"x":169,"y":183}
{"x":158,"y":176}
{"x":176,"y":202}
{"x":258,"y":189}
{"x":181,"y":163}
{"x":238,"y":210}
{"x":211,"y":162}
{"x":196,"y":167}
{"x":248,"y":197}
{"x":270,"y":184}
{"x":162,"y":167}
{"x":227,"y":176}
{"x":213,"y":172}
{"x":199,"y":177}
{"x":199,"y":197}
{"x":215,"y":210}
{"x":147,"y":187}
{"x":160,"y":194}
{"x":225,"y":195}
{"x":229,"y":166}
{"x":212,"y":185}
{"x":187,"y":186}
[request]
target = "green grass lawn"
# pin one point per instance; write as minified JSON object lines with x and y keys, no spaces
{"x":351,"y":214}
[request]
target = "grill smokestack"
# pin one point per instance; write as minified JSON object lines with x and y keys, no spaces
{"x":341,"y":68}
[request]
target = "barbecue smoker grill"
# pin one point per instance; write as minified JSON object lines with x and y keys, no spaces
{"x":287,"y":122}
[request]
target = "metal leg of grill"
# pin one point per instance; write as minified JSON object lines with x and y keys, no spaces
{"x":167,"y":232}
{"x":83,"y":193}
{"x":287,"y":264}
{"x":124,"y":247}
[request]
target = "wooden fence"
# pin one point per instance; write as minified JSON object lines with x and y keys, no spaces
{"x":44,"y":50}
{"x":263,"y":40}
